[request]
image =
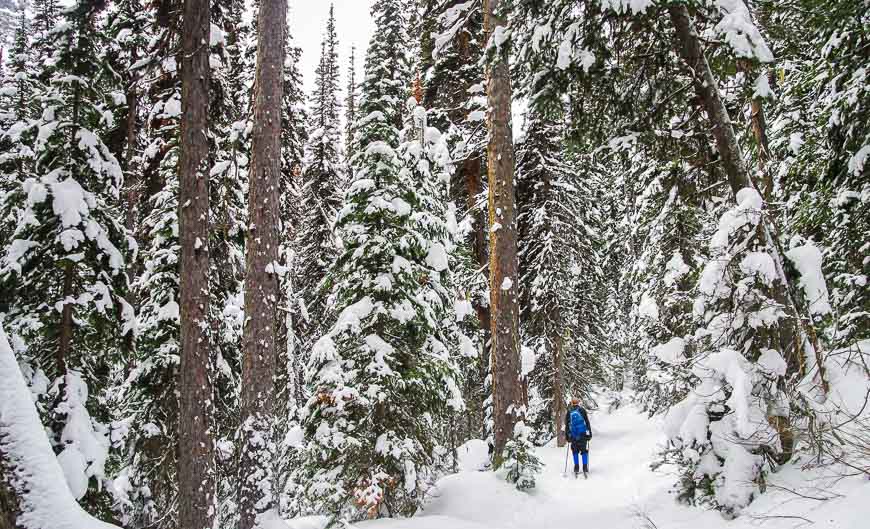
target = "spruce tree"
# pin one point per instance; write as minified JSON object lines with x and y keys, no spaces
{"x":452,"y":87}
{"x":146,"y":400}
{"x":323,"y":176}
{"x":382,"y":377}
{"x":64,"y":265}
{"x":294,"y":135}
{"x":17,"y":105}
{"x":559,"y":268}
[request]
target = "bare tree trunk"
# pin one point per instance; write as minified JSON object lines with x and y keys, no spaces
{"x":759,"y":129}
{"x":558,"y":390}
{"x":196,"y":481}
{"x":505,"y":359}
{"x":261,"y":283}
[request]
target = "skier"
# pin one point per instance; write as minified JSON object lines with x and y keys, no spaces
{"x":578,"y":431}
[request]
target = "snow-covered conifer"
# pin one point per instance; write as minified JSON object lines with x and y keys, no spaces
{"x":64,"y":266}
{"x":323,"y":177}
{"x":382,"y":376}
{"x":559,"y":231}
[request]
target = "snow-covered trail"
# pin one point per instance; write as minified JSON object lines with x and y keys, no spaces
{"x":621,"y":492}
{"x":620,"y":485}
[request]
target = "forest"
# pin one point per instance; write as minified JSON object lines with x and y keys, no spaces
{"x":227,"y":301}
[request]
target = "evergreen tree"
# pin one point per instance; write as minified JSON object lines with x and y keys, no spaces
{"x":256,"y":478}
{"x":17,"y":106}
{"x":229,"y":153}
{"x":820,"y":147}
{"x":45,"y":16}
{"x":146,"y":401}
{"x":382,"y":377}
{"x":323,"y":176}
{"x":558,"y":233}
{"x":294,"y":134}
{"x":452,"y":87}
{"x":196,"y":405}
{"x":64,"y":266}
{"x":512,"y":450}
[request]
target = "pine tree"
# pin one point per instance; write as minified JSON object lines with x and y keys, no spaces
{"x":323,"y":176}
{"x":64,"y":266}
{"x":386,"y":361}
{"x":558,"y":240}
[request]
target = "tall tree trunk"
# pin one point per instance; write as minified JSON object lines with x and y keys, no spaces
{"x":261,"y":282}
{"x":707,"y":89}
{"x":196,"y":480}
{"x":558,"y":390}
{"x":505,"y":357}
{"x":471,"y":171}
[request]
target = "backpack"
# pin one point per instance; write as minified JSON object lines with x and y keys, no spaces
{"x":578,"y":424}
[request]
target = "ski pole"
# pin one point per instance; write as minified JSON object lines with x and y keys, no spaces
{"x":567,"y":447}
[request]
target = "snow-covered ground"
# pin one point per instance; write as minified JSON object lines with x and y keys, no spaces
{"x":623,"y":493}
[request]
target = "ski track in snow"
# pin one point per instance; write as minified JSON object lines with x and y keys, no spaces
{"x":621,"y":491}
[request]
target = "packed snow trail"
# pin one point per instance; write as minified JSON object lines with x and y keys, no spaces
{"x":622,"y":492}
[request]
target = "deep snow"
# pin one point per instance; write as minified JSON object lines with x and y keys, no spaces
{"x":622,"y":492}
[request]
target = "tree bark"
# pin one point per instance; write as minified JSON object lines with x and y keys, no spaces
{"x":759,"y":129}
{"x":707,"y":89}
{"x":196,"y":481}
{"x":261,"y":283}
{"x":558,"y":391}
{"x":505,"y":358}
{"x":9,"y":508}
{"x":471,"y":171}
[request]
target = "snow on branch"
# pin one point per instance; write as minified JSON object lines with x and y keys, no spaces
{"x":45,"y":500}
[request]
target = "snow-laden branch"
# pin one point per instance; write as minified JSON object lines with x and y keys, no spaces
{"x":45,"y":499}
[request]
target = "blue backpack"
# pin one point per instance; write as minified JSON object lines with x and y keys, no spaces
{"x":578,"y":424}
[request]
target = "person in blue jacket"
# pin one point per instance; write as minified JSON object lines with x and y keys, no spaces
{"x":578,"y":431}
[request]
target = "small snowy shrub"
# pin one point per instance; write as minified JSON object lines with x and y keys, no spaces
{"x":521,"y":464}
